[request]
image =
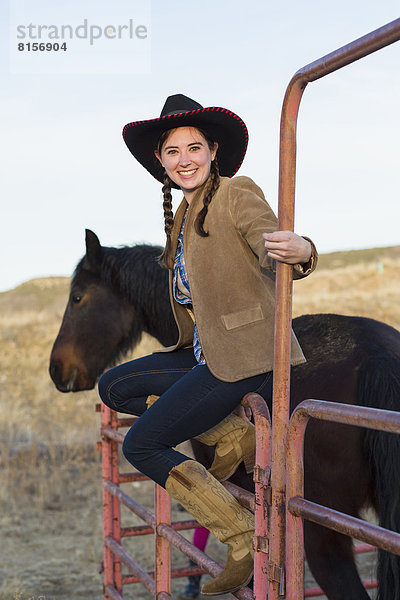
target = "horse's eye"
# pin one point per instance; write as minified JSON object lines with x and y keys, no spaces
{"x":76,"y":298}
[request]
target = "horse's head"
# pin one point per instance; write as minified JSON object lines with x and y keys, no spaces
{"x":95,"y":327}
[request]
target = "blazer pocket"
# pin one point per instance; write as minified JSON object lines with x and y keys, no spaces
{"x":243,"y":317}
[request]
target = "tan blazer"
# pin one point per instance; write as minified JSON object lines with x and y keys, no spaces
{"x":232,"y":281}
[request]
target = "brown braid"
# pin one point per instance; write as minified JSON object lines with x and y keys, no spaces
{"x":165,"y":258}
{"x":213,"y":185}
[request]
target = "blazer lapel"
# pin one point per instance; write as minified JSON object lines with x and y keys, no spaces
{"x":178,"y":218}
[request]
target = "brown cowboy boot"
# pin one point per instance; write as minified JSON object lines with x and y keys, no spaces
{"x":234,"y":440}
{"x":215,"y":508}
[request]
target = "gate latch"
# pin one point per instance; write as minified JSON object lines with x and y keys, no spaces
{"x":275,"y":573}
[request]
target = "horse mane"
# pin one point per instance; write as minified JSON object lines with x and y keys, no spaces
{"x":124,"y":268}
{"x":134,"y":273}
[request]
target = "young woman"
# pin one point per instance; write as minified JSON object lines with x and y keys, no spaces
{"x":221,"y":249}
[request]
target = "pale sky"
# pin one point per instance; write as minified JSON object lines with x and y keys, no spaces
{"x":64,"y":165}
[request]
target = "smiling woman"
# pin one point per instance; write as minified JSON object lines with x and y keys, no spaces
{"x":220,"y":250}
{"x":186,"y":156}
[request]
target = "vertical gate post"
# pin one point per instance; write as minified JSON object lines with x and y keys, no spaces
{"x":162,"y":501}
{"x":295,"y":487}
{"x":108,"y":502}
{"x":262,"y":488}
{"x":116,"y":516}
{"x":282,"y":341}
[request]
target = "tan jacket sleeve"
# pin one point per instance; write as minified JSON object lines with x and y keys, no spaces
{"x":253,"y":216}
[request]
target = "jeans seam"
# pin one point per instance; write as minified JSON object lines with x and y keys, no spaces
{"x":139,"y":373}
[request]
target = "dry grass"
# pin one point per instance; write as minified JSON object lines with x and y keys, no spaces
{"x":50,"y":496}
{"x":364,"y":289}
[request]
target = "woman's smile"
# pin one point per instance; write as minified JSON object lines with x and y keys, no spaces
{"x":187,"y":173}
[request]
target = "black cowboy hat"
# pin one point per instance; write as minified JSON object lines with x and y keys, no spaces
{"x":221,"y":124}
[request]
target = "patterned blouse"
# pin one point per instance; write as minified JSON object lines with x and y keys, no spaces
{"x":182,"y":293}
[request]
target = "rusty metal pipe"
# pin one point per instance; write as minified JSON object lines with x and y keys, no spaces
{"x":116,"y":520}
{"x":108,"y":558}
{"x":144,"y":530}
{"x":146,"y":515}
{"x":135,"y":476}
{"x":244,"y":497}
{"x":262,"y":421}
{"x":132,"y":565}
{"x":350,"y":414}
{"x":162,"y":503}
{"x":127,"y":421}
{"x":384,"y":420}
{"x":351,"y":526}
{"x":112,"y":434}
{"x":363,"y":46}
{"x":182,"y":544}
{"x":283,"y":308}
{"x":175,"y":574}
{"x":112,"y":593}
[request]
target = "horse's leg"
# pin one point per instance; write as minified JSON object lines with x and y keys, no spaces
{"x":331,"y":561}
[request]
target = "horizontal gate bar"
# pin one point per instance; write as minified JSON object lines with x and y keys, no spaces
{"x":244,"y":497}
{"x":363,"y":548}
{"x":367,"y":44}
{"x":112,"y":434}
{"x":349,"y":414}
{"x":126,"y":422}
{"x":112,"y":593}
{"x":182,"y":544}
{"x":146,"y":515}
{"x":357,"y":528}
{"x":130,"y":477}
{"x":132,"y":565}
{"x":175,"y":574}
{"x":144,"y":530}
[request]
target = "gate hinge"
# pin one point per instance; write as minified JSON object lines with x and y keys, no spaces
{"x":275,"y":573}
{"x":263,"y":477}
{"x":260,"y":544}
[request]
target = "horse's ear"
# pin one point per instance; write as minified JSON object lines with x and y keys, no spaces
{"x":94,"y":252}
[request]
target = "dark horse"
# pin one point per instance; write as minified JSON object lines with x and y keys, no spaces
{"x":116,"y":294}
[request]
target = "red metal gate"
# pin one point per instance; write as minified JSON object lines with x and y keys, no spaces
{"x":283,"y":314}
{"x":159,"y":523}
{"x":278,"y":473}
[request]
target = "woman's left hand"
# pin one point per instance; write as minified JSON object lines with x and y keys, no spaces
{"x":287,"y":247}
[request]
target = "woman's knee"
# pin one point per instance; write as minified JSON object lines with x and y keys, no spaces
{"x":136,"y":447}
{"x":117,"y":391}
{"x":104,"y":389}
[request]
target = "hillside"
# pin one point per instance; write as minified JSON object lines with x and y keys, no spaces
{"x":51,"y":496}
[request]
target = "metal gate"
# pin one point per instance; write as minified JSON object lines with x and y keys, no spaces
{"x":278,"y":555}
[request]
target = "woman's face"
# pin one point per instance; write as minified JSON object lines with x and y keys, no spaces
{"x":186,"y":158}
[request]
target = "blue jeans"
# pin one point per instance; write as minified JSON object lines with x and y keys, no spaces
{"x":192,"y":400}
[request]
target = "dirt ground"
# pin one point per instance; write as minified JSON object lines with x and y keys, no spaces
{"x":56,"y":554}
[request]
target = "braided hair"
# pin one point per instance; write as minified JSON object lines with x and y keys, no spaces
{"x":166,"y":258}
{"x":213,"y":185}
